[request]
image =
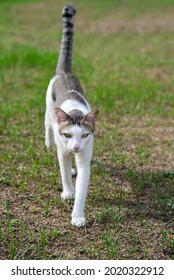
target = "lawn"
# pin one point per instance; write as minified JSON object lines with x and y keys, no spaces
{"x":123,"y":56}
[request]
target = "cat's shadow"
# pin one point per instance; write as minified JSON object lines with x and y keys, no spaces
{"x":135,"y":194}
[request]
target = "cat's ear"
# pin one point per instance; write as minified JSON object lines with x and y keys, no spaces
{"x":91,"y":116}
{"x":61,"y":116}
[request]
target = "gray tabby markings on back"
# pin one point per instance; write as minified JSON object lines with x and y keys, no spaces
{"x":65,"y":87}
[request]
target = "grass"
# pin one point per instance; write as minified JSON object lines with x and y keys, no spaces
{"x":123,"y":56}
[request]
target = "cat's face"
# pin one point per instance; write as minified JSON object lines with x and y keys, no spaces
{"x":76,"y":137}
{"x":76,"y":129}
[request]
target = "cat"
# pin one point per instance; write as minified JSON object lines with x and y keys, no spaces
{"x":70,"y":123}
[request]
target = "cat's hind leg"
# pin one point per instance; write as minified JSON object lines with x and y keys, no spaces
{"x":49,"y":132}
{"x":49,"y":137}
{"x":73,"y":172}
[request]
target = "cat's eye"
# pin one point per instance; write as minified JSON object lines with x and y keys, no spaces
{"x":67,"y":135}
{"x":85,"y":135}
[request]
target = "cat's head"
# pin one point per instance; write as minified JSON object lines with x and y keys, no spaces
{"x":75,"y":128}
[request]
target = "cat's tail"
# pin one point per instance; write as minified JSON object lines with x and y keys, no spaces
{"x":65,"y":55}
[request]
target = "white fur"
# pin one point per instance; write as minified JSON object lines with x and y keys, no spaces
{"x":79,"y":94}
{"x":49,"y":117}
{"x":65,"y":150}
{"x":69,"y":105}
{"x":76,"y":141}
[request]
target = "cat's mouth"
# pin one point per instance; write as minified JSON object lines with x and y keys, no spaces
{"x":75,"y":151}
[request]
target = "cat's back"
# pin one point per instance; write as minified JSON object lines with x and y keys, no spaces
{"x":66,"y":87}
{"x":64,"y":82}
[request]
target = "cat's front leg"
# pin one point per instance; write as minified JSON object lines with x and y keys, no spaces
{"x":65,"y":169}
{"x":83,"y":160}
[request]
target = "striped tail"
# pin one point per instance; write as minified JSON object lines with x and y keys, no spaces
{"x":65,"y":55}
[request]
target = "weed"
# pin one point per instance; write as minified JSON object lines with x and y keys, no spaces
{"x":120,"y":199}
{"x":135,"y":241}
{"x":8,"y":213}
{"x":98,"y":192}
{"x":21,"y":254}
{"x":46,"y":207}
{"x":172,"y":245}
{"x":0,"y":233}
{"x":22,"y":186}
{"x":55,"y":233}
{"x":94,"y":250}
{"x":11,"y":235}
{"x":30,"y":236}
{"x":42,"y":244}
{"x":111,"y":243}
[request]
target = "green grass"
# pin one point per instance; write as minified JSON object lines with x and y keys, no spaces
{"x":123,"y":56}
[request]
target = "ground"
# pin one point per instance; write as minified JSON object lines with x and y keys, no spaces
{"x":123,"y":56}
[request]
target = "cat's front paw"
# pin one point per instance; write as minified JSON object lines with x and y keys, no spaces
{"x":78,"y":222}
{"x":68,"y":195}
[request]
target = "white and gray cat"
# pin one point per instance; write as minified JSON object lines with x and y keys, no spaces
{"x":70,"y":123}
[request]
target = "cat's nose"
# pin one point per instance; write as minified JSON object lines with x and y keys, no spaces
{"x":76,"y":148}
